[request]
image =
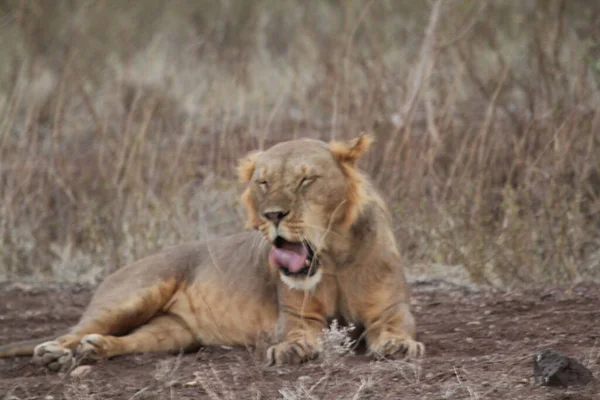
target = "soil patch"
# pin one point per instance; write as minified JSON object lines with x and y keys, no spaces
{"x":480,"y":345}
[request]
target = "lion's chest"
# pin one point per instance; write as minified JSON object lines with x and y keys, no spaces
{"x":354,"y":293}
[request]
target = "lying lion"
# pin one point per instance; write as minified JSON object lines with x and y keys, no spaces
{"x":324,"y":249}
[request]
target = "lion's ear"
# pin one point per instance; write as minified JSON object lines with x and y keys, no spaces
{"x":246,"y":166}
{"x":245,"y":170}
{"x":350,"y":151}
{"x":347,"y":154}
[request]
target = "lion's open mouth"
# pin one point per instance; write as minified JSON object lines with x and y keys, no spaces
{"x":292,"y":258}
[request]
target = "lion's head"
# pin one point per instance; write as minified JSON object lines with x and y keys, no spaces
{"x":298,"y":193}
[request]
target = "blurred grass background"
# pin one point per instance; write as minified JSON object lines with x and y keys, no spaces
{"x":121,"y":122}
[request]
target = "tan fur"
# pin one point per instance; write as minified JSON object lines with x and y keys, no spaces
{"x":245,"y":167}
{"x":224,"y":292}
{"x":352,"y":151}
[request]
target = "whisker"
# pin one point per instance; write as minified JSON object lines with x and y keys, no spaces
{"x":309,"y":243}
{"x":322,"y":229}
{"x":330,"y":223}
{"x":256,"y":242}
{"x":313,"y":262}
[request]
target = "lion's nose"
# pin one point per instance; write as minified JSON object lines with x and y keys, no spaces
{"x":276,"y":216}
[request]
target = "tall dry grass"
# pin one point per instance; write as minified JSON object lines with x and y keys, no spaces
{"x":121,"y":122}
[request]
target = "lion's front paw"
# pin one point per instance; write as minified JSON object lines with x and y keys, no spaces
{"x":389,"y":345}
{"x":53,"y":356}
{"x":92,"y":347}
{"x":293,"y":352}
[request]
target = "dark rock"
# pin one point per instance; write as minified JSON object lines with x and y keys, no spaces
{"x":554,"y":369}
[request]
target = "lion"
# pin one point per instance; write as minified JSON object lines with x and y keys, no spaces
{"x":320,"y":247}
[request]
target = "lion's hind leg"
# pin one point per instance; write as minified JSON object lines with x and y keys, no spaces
{"x":162,"y":333}
{"x":57,"y":355}
{"x":107,"y":314}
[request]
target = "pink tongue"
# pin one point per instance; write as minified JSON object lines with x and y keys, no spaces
{"x":291,"y":257}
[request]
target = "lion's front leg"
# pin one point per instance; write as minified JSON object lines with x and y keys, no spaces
{"x":390,"y":331}
{"x":393,"y":335}
{"x":389,"y":325}
{"x":299,"y":347}
{"x":303,"y":319}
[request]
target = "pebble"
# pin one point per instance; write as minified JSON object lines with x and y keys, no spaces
{"x":81,"y":371}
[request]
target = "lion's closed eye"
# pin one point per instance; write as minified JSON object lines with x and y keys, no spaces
{"x":307,"y":180}
{"x":263,"y":185}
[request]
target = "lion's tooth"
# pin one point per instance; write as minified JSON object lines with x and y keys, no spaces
{"x":307,"y":263}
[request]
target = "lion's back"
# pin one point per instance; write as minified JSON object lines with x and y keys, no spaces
{"x":233,"y":260}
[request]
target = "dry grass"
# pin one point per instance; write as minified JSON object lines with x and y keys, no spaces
{"x":121,"y":122}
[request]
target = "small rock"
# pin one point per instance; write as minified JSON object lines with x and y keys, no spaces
{"x":81,"y":371}
{"x":469,"y":340}
{"x":49,"y":397}
{"x":22,"y":286}
{"x":304,"y":378}
{"x":545,"y":296}
{"x":554,"y":369}
{"x":191,"y":384}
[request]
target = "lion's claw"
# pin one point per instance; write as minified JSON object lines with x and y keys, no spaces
{"x":291,"y":353}
{"x":394,"y":346}
{"x":91,"y":347}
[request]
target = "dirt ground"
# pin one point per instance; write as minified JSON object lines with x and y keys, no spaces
{"x":480,"y":345}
